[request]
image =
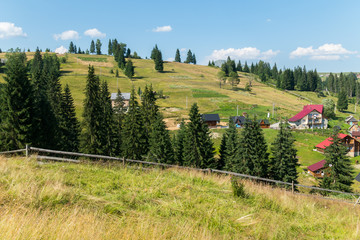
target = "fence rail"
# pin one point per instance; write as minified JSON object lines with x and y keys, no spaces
{"x":124,"y":160}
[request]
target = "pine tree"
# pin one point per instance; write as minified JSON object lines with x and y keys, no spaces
{"x":153,"y":52}
{"x":16,"y":105}
{"x":179,"y":144}
{"x":149,"y":110}
{"x":234,"y":79}
{"x":128,"y":53}
{"x":98,"y":47}
{"x":92,"y":115}
{"x":283,"y":162}
{"x":239,"y":67}
{"x":338,"y":173}
{"x":177,"y":56}
{"x":229,"y":144}
{"x":251,"y":156}
{"x":107,"y":121}
{"x":160,"y":149}
{"x":92,"y":47}
{"x":342,"y":103}
{"x":159,"y":64}
{"x":189,"y":57}
{"x":134,"y":138}
{"x":198,"y":146}
{"x":194,"y":59}
{"x":119,"y":115}
{"x":110,"y":47}
{"x":120,"y":55}
{"x":71,"y":47}
{"x":246,"y":68}
{"x":129,"y":69}
{"x":69,"y":125}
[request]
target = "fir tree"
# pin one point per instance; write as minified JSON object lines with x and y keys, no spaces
{"x":129,"y":69}
{"x":189,"y":57}
{"x":71,"y":47}
{"x":194,"y":59}
{"x":92,"y":47}
{"x":246,"y":68}
{"x":69,"y":125}
{"x":107,"y":121}
{"x":98,"y":47}
{"x":134,"y":138}
{"x":120,"y":55}
{"x":198,"y":146}
{"x":92,"y":115}
{"x":110,"y":47}
{"x":153,"y":52}
{"x":338,"y":173}
{"x":229,"y":144}
{"x":342,"y":103}
{"x":251,"y":156}
{"x":16,"y":105}
{"x":159,"y":64}
{"x":160,"y":149}
{"x":177,"y":56}
{"x":128,"y":53}
{"x":283,"y":162}
{"x":119,"y":115}
{"x":239,"y":67}
{"x":179,"y":144}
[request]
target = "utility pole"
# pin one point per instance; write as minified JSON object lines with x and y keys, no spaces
{"x":273,"y":112}
{"x":237,"y":110}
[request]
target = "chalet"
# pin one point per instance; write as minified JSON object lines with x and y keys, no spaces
{"x":126,"y":97}
{"x":354,"y":128}
{"x":351,"y":120}
{"x":356,"y":135}
{"x":264,"y":123}
{"x":351,"y":143}
{"x":211,"y":119}
{"x":310,"y":117}
{"x":317,"y":169}
{"x":239,"y":121}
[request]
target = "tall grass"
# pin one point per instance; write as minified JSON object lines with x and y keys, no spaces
{"x":90,"y":201}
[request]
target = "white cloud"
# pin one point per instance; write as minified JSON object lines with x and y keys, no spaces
{"x":163,"y":29}
{"x":67,"y":35}
{"x":183,"y":49}
{"x":94,"y":33}
{"x":328,"y":51}
{"x":61,"y":50}
{"x":8,"y":30}
{"x":170,"y":59}
{"x":268,"y":20}
{"x":246,"y":53}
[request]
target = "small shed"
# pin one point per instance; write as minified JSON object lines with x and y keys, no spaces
{"x":211,"y":119}
{"x":351,"y":120}
{"x":239,"y":120}
{"x":126,"y":97}
{"x":264,"y":123}
{"x":317,"y":169}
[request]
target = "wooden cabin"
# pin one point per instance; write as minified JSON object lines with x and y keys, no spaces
{"x":126,"y":97}
{"x":351,"y":120}
{"x":317,"y":169}
{"x":239,"y":120}
{"x":211,"y":120}
{"x":264,"y":123}
{"x":351,"y":143}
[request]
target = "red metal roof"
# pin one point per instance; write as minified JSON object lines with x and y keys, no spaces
{"x":327,"y":142}
{"x":306,"y":110}
{"x":317,"y":166}
{"x":355,"y":133}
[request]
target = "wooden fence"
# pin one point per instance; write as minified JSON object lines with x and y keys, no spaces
{"x":29,"y":150}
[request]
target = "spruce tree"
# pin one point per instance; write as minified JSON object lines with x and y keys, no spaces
{"x":71,"y":47}
{"x":16,"y":105}
{"x":251,"y":156}
{"x":159,"y":64}
{"x":154,"y":51}
{"x":338,"y":173}
{"x":342,"y":103}
{"x":198,"y":146}
{"x":119,"y":115}
{"x":179,"y":144}
{"x":92,"y":115}
{"x":246,"y":68}
{"x":160,"y":149}
{"x":229,"y":145}
{"x":110,"y":47}
{"x":98,"y":47}
{"x":189,"y":57}
{"x":128,"y":53}
{"x":92,"y":47}
{"x":129,"y":69}
{"x":177,"y":56}
{"x":194,"y":59}
{"x":239,"y":67}
{"x":149,"y":110}
{"x":134,"y":139}
{"x":107,"y":121}
{"x":69,"y":125}
{"x":121,"y":58}
{"x":283,"y":162}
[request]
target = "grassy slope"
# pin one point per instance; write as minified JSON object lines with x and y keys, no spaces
{"x":69,"y":201}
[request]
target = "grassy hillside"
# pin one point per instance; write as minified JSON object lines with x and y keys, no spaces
{"x":70,"y":201}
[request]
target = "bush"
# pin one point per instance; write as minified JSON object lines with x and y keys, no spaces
{"x":238,"y":188}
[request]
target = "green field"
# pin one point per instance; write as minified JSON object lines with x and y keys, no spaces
{"x":107,"y":201}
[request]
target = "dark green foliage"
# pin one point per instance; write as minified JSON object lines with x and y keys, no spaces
{"x":329,"y":107}
{"x":134,"y":135}
{"x":110,"y":47}
{"x":69,"y":125}
{"x":239,"y":67}
{"x":119,"y":115}
{"x":92,"y":115}
{"x":246,"y":68}
{"x":149,"y":110}
{"x":119,"y":53}
{"x":342,"y":103}
{"x":153,"y":52}
{"x":98,"y":47}
{"x":189,"y":57}
{"x":283,"y":162}
{"x":16,"y":105}
{"x":107,"y":121}
{"x":229,"y":144}
{"x":179,"y":143}
{"x":198,"y":146}
{"x":177,"y":56}
{"x":194,"y":59}
{"x":157,"y":57}
{"x":251,"y":156}
{"x":128,"y":53}
{"x":234,"y":79}
{"x":71,"y":47}
{"x":238,"y":188}
{"x":160,"y":149}
{"x":338,"y":173}
{"x":92,"y":46}
{"x":129,"y":69}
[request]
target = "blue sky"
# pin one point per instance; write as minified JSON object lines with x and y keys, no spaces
{"x":318,"y":34}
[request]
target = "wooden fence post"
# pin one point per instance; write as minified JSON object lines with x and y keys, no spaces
{"x":123,"y":160}
{"x":209,"y":171}
{"x":27,"y":151}
{"x":292,"y":187}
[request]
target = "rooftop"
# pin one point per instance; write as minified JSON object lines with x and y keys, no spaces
{"x":306,"y":110}
{"x":126,"y":96}
{"x":317,"y":166}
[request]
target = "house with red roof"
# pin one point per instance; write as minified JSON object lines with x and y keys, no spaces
{"x":310,"y":117}
{"x":317,"y":169}
{"x":349,"y":142}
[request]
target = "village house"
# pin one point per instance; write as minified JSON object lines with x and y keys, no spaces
{"x":126,"y":97}
{"x":264,"y":123}
{"x":349,"y":142}
{"x":310,"y":117}
{"x":212,"y":120}
{"x":317,"y":169}
{"x":238,"y":120}
{"x":351,"y":120}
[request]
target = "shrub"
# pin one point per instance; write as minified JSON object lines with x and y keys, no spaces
{"x":238,"y":188}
